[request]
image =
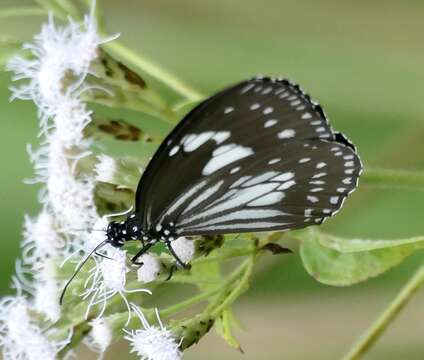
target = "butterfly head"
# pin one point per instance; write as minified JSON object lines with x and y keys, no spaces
{"x":115,"y":233}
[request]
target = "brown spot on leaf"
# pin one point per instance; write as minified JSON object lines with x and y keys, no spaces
{"x":132,"y":76}
{"x":276,"y":249}
{"x":121,"y":130}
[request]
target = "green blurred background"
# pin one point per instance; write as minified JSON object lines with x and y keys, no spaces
{"x":363,"y":61}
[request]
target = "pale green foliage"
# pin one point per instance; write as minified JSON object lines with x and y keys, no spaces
{"x":342,"y":262}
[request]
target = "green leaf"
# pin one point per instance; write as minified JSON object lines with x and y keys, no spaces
{"x":224,"y":327}
{"x":344,"y":262}
{"x":129,"y":89}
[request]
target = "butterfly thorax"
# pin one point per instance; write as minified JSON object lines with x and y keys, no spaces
{"x":118,"y":233}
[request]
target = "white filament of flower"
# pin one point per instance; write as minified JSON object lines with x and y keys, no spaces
{"x":151,"y":342}
{"x":107,"y":279}
{"x":100,"y":336}
{"x":21,"y":337}
{"x":105,"y":168}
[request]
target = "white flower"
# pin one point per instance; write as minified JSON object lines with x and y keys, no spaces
{"x":150,"y":269}
{"x":47,"y":291}
{"x":71,"y":117}
{"x":153,"y":343}
{"x":100,"y":336}
{"x":41,"y":239}
{"x":107,"y":279}
{"x":184,"y":248}
{"x":70,"y":199}
{"x":61,"y":60}
{"x":20,"y":337}
{"x":105,"y":168}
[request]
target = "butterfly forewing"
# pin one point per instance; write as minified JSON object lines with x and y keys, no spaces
{"x":258,"y":156}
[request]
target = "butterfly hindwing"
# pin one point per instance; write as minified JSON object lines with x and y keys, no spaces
{"x":298,"y":187}
{"x":195,"y":178}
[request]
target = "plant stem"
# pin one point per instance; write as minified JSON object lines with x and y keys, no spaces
{"x":153,"y":70}
{"x":189,"y":302}
{"x":225,"y":255}
{"x":393,"y":178}
{"x":388,"y":315}
{"x":239,"y":289}
{"x":22,"y":11}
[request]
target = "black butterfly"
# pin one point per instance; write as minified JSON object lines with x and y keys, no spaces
{"x":257,"y":156}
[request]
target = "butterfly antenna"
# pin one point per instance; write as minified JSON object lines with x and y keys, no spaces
{"x":103,"y":243}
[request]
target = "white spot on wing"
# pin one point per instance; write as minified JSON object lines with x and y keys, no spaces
{"x":255,"y":106}
{"x":174,"y":150}
{"x":270,"y":199}
{"x":274,"y":161}
{"x":306,"y":116}
{"x":193,"y":190}
{"x":270,"y":122}
{"x":234,"y":170}
{"x":287,"y":185}
{"x":308,"y":212}
{"x":223,"y":159}
{"x":268,"y":110}
{"x":228,"y":109}
{"x":208,"y":192}
{"x":239,"y":199}
{"x":260,"y":178}
{"x":192,"y":142}
{"x":247,"y":88}
{"x":304,"y":160}
{"x":284,"y":176}
{"x":312,"y":199}
{"x":334,"y":200}
{"x":286,"y":134}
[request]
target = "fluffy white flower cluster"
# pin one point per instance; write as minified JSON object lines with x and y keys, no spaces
{"x":54,"y":79}
{"x":20,"y":337}
{"x":153,"y":343}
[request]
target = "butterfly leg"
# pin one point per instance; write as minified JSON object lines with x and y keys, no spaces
{"x":143,"y":250}
{"x":171,"y":272}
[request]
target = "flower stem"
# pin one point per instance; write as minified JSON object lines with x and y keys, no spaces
{"x":388,"y":315}
{"x":239,"y":289}
{"x":189,"y":302}
{"x":153,"y":70}
{"x":393,"y":178}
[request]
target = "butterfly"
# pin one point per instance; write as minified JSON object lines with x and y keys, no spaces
{"x":257,"y":156}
